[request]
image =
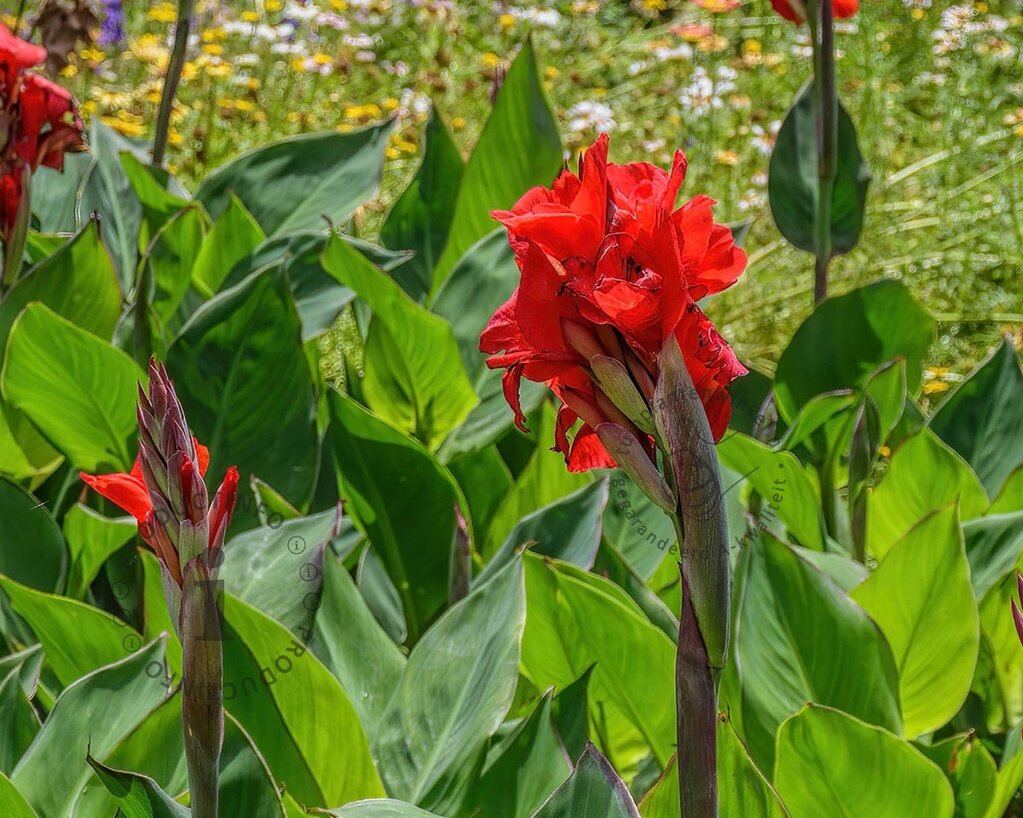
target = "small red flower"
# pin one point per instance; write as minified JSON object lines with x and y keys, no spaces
{"x":165,"y":491}
{"x":611,"y":267}
{"x":38,"y":124}
{"x":795,"y":10}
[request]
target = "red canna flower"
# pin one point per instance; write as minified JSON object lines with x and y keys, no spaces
{"x":611,"y":268}
{"x":165,"y":491}
{"x":795,"y":10}
{"x":38,"y":125}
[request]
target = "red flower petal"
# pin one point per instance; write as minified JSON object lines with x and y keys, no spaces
{"x":122,"y":490}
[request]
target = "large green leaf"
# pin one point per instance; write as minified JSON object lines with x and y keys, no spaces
{"x":993,"y":546}
{"x":12,"y":803}
{"x":830,"y":763}
{"x":78,"y":282}
{"x":89,"y":717}
{"x":577,"y":620}
{"x":414,"y":378}
{"x":92,"y":539}
{"x":449,"y":699}
{"x":410,"y":530}
{"x":742,"y":788}
{"x":794,"y":184}
{"x":847,"y":338}
{"x":107,"y":191}
{"x":594,"y":790}
{"x":19,"y":723}
{"x":234,"y":236}
{"x":350,"y":642}
{"x":167,"y":269}
{"x":77,"y":389}
{"x":293,"y":184}
{"x":999,"y":681}
{"x":244,"y":381}
{"x":277,"y":569}
{"x":380,"y":808}
{"x":786,"y":485}
{"x":1010,"y":775}
{"x":981,"y":419}
{"x":318,"y":753}
{"x":520,"y":147}
{"x":970,"y":770}
{"x":921,"y":598}
{"x":24,"y":453}
{"x":903,"y":498}
{"x":522,"y":768}
{"x":422,"y":216}
{"x":798,"y":638}
{"x":31,"y":547}
{"x":137,"y":795}
{"x":77,"y":638}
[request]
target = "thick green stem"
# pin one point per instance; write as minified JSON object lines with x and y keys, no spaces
{"x":822,"y":29}
{"x":688,"y":447}
{"x":170,"y":82}
{"x":202,"y":711}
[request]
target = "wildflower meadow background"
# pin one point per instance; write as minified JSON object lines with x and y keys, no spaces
{"x":388,"y":430}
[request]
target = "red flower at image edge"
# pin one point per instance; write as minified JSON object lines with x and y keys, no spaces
{"x":38,"y":122}
{"x":795,"y":10}
{"x":610,"y":266}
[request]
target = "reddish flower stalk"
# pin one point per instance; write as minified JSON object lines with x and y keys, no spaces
{"x":38,"y":125}
{"x":166,"y":493}
{"x":1017,"y":615}
{"x":606,"y":315}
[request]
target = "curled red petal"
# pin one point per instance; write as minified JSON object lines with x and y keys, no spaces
{"x":122,"y":490}
{"x":222,"y":508}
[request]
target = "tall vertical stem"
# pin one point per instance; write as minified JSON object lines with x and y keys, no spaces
{"x":688,"y":447}
{"x":170,"y":82}
{"x":822,"y":29}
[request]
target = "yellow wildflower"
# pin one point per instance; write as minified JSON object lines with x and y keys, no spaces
{"x":507,"y":21}
{"x":390,"y":104}
{"x":163,"y":13}
{"x":215,"y":49}
{"x":249,"y":16}
{"x":458,"y":123}
{"x":730,"y":158}
{"x":491,"y":60}
{"x":273,"y":5}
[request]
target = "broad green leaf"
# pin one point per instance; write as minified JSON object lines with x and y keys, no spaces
{"x":485,"y":479}
{"x":570,"y":713}
{"x":902,"y":498}
{"x":981,"y":419}
{"x":381,"y":596}
{"x":422,"y":216}
{"x":24,"y":453}
{"x":159,"y":193}
{"x":28,"y":663}
{"x":830,"y":763}
{"x":350,"y":642}
{"x":742,"y":788}
{"x":414,"y":378}
{"x":567,"y":529}
{"x":786,"y":485}
{"x":233,"y":237}
{"x":278,"y":569}
{"x":19,"y":723}
{"x":522,"y":768}
{"x":448,"y":702}
{"x":411,"y":531}
{"x":78,"y":282}
{"x":520,"y":147}
{"x":55,"y":194}
{"x":794,"y":185}
{"x":138,"y":796}
{"x":543,"y":480}
{"x":577,"y":620}
{"x":77,"y":638}
{"x":157,"y":618}
{"x":844,"y":571}
{"x":247,"y":787}
{"x":87,"y":718}
{"x":243,"y":379}
{"x":1010,"y":498}
{"x":156,"y":747}
{"x":847,"y":338}
{"x":12,"y":802}
{"x":91,"y":539}
{"x":594,"y":790}
{"x":993,"y":546}
{"x":293,"y":184}
{"x":107,"y":191}
{"x":999,"y":680}
{"x":1010,"y":775}
{"x":921,"y":598}
{"x":819,"y":415}
{"x":970,"y":770}
{"x":319,"y":754}
{"x":31,"y":547}
{"x":639,"y":530}
{"x":380,"y":808}
{"x":167,"y":268}
{"x":78,"y":390}
{"x":798,"y":638}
